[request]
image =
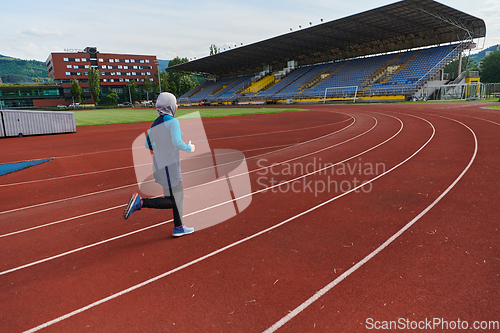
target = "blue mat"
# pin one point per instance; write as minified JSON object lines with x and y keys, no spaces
{"x":11,"y":167}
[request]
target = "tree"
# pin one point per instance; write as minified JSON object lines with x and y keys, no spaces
{"x":490,"y":68}
{"x":163,"y":81}
{"x":76,"y":90}
{"x":112,"y":97}
{"x":132,"y":91}
{"x":452,"y":67}
{"x":94,"y":84}
{"x":147,"y":86}
{"x":186,"y":83}
{"x":174,"y":77}
{"x":214,"y":49}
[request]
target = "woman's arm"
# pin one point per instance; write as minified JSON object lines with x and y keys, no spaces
{"x":176,"y":134}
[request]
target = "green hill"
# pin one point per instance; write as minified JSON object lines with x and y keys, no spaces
{"x":13,"y":70}
{"x":481,"y":55}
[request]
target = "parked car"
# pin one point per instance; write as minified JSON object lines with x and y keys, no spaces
{"x":61,"y":106}
{"x":75,"y":105}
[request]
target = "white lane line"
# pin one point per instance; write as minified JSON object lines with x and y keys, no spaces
{"x":283,"y":131}
{"x":255,"y":170}
{"x":61,"y":221}
{"x":490,"y":121}
{"x":125,"y":167}
{"x":111,"y":297}
{"x":134,"y":184}
{"x":335,"y":282}
{"x":196,"y":212}
{"x":221,"y":138}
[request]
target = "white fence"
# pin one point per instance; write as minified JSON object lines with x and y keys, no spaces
{"x":20,"y":123}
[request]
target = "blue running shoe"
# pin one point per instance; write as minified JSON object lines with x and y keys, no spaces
{"x":133,"y":205}
{"x":182,"y":230}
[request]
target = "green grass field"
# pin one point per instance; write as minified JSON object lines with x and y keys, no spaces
{"x":137,"y":115}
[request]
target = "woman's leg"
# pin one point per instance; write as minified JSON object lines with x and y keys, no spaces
{"x":173,"y":199}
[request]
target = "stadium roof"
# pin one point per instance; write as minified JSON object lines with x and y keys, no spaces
{"x":403,"y":25}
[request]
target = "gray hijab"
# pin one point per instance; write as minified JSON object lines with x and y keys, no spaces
{"x":166,"y":104}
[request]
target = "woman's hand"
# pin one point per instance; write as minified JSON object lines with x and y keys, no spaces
{"x":191,"y":146}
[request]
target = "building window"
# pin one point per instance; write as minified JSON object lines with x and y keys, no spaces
{"x":87,"y":73}
{"x":110,"y":67}
{"x":77,"y":59}
{"x":101,"y":60}
{"x":104,"y":80}
{"x":68,"y":73}
{"x":78,"y":73}
{"x":147,"y":61}
{"x":127,"y":61}
{"x":128,"y":74}
{"x":117,"y":60}
{"x":120,"y":67}
{"x":112,"y":73}
{"x":102,"y":73}
{"x":103,"y":66}
{"x":118,"y":73}
{"x":69,"y":66}
{"x":86,"y":66}
{"x":75,"y":66}
{"x":127,"y":80}
{"x":151,"y":79}
{"x":111,"y":60}
{"x":142,"y":80}
{"x":112,"y":80}
{"x":121,"y":80}
{"x":125,"y":67}
{"x":65,"y":59}
{"x":84,"y":59}
{"x":134,"y":73}
{"x":149,"y":73}
{"x":132,"y":60}
{"x":141,"y":61}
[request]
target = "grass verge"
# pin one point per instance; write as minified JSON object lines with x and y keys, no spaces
{"x":138,"y":115}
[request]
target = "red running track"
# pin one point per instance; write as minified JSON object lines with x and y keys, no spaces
{"x":419,"y":241}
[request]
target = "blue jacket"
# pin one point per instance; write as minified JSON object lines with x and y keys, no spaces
{"x":165,"y":139}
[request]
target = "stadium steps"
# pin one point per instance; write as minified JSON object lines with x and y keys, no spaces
{"x":388,"y":77}
{"x":196,"y":90}
{"x":321,"y":77}
{"x":379,"y":74}
{"x":234,"y":83}
{"x":295,"y":79}
{"x":257,"y":86}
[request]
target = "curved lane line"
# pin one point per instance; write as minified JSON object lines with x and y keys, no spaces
{"x":134,"y":184}
{"x":54,"y":321}
{"x":165,"y":222}
{"x":332,"y":284}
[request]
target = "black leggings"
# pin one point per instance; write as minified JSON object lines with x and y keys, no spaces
{"x":173,"y":199}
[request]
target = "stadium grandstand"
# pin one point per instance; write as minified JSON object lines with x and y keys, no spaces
{"x":394,"y":52}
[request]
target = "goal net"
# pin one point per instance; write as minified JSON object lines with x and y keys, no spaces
{"x":341,"y":93}
{"x":473,"y":90}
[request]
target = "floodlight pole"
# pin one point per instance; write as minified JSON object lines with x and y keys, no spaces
{"x":130,"y":94}
{"x":158,"y":67}
{"x":460,"y":63}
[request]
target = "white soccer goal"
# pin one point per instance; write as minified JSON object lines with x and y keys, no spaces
{"x":473,"y":90}
{"x":184,"y":101}
{"x":341,"y":93}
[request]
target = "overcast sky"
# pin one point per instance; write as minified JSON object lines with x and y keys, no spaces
{"x":32,"y":29}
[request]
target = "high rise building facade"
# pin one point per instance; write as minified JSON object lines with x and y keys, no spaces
{"x":116,"y":71}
